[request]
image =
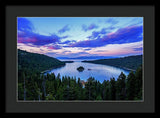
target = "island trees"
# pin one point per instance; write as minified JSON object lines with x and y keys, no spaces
{"x":80,"y":69}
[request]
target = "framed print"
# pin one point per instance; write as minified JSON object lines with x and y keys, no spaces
{"x":80,"y":59}
{"x":82,"y":67}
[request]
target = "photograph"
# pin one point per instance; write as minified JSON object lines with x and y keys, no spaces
{"x":80,"y":59}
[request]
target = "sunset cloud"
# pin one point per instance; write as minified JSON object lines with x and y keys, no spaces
{"x":123,"y":35}
{"x":54,"y":47}
{"x":37,"y":39}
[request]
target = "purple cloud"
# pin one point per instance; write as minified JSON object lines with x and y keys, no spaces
{"x":96,"y":34}
{"x":87,"y":49}
{"x":37,"y":39}
{"x":67,"y":42}
{"x":64,"y":37}
{"x":55,"y":47}
{"x":90,"y":27}
{"x":41,"y":49}
{"x":64,"y":29}
{"x":26,"y":35}
{"x":124,"y":35}
{"x":138,"y":49}
{"x":111,"y":21}
{"x":24,"y":24}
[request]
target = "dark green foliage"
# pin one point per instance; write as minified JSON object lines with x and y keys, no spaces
{"x":121,"y":86}
{"x":33,"y":85}
{"x":138,"y":85}
{"x":68,"y":61}
{"x":30,"y":62}
{"x":20,"y":91}
{"x":131,"y":81}
{"x":90,"y":89}
{"x":106,"y":90}
{"x":112,"y":89}
{"x":130,"y":62}
{"x":68,"y":88}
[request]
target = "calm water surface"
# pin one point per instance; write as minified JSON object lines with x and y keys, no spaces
{"x":98,"y":71}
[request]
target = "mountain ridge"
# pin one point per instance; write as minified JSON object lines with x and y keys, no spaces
{"x":87,"y":57}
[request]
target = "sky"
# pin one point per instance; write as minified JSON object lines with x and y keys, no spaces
{"x":81,"y":36}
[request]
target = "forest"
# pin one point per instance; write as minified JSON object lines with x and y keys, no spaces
{"x":51,"y":87}
{"x":34,"y":85}
{"x":130,"y":62}
{"x":33,"y":62}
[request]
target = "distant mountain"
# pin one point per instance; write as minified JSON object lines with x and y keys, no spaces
{"x":129,"y":62}
{"x":88,"y":57}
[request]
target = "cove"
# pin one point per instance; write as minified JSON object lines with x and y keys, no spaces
{"x":98,"y":71}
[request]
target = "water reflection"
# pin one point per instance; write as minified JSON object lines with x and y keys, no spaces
{"x":98,"y":71}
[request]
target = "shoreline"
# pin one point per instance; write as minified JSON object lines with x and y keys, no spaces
{"x":125,"y":68}
{"x":51,"y":69}
{"x":128,"y":69}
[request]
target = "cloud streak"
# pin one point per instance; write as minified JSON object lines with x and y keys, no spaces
{"x":37,"y":39}
{"x":64,"y":29}
{"x":55,"y":47}
{"x":103,"y":31}
{"x":138,"y":49}
{"x":111,"y":21}
{"x":124,"y":35}
{"x":90,"y":27}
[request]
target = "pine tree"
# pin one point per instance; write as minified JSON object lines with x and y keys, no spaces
{"x":20,"y":91}
{"x":90,"y":89}
{"x":106,"y":88}
{"x":24,"y":84}
{"x":120,"y":86}
{"x":113,"y":89}
{"x":131,"y":86}
{"x":138,"y":85}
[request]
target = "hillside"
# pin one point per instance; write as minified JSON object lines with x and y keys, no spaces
{"x":36,"y":62}
{"x":130,"y":62}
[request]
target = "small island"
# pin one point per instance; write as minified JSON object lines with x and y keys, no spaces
{"x":80,"y":69}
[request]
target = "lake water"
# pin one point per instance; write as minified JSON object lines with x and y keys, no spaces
{"x":98,"y":71}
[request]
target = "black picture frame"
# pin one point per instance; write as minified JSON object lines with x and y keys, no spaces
{"x":12,"y":11}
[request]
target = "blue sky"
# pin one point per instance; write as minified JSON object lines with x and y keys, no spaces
{"x":81,"y":36}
